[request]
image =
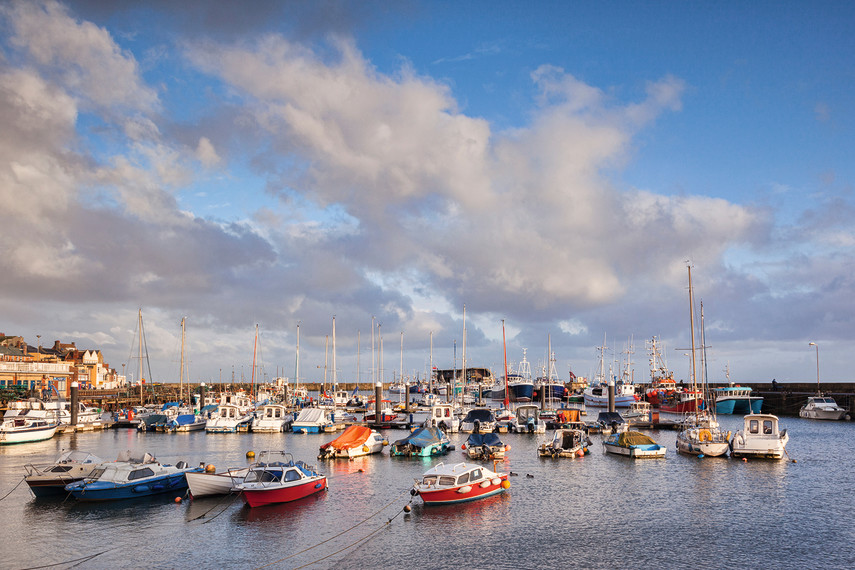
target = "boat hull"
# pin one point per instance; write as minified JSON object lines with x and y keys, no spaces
{"x":636,"y":451}
{"x":108,"y":491}
{"x":27,"y":435}
{"x":285,"y":494}
{"x":740,"y":406}
{"x":203,"y":484}
{"x":460,"y":494}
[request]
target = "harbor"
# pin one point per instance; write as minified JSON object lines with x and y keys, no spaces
{"x":599,"y":511}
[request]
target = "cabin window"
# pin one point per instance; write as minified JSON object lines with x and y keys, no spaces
{"x":262,"y":476}
{"x":140,"y":474}
{"x":754,"y":426}
{"x":96,"y":473}
{"x":767,"y":427}
{"x":292,"y":475}
{"x":446,"y":481}
{"x":463,"y":479}
{"x":430,"y":480}
{"x":447,"y":412}
{"x":60,"y":469}
{"x":475,"y":475}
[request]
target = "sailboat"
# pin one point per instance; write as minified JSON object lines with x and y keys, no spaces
{"x":701,"y":434}
{"x":185,"y":420}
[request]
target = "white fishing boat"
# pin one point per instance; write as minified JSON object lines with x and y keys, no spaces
{"x":444,"y":416}
{"x":272,"y":418}
{"x":229,"y":419}
{"x":479,"y":420}
{"x":312,"y":420}
{"x":822,"y":408}
{"x":760,"y":437}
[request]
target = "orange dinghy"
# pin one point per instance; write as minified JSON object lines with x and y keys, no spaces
{"x":355,"y":441}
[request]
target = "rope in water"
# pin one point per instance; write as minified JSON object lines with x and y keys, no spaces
{"x":73,"y":562}
{"x":13,"y":488}
{"x":374,"y":514}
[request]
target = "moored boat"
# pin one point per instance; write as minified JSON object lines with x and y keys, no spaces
{"x":566,"y":442}
{"x":26,"y":430}
{"x":70,"y":466}
{"x":355,"y":441}
{"x":312,"y":420}
{"x":272,"y":418}
{"x":422,"y":442}
{"x":277,"y":478}
{"x":478,"y":420}
{"x":822,"y":408}
{"x":633,"y":444}
{"x":760,"y":438}
{"x":448,"y":484}
{"x":230,"y":418}
{"x":484,"y":446}
{"x":209,"y":482}
{"x":527,"y":420}
{"x":130,"y":476}
{"x":735,"y":399}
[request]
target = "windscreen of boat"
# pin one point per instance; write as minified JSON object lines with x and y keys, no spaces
{"x":463,"y":479}
{"x":263,"y":476}
{"x":58,"y":469}
{"x":446,"y":481}
{"x":429,"y":480}
{"x":480,"y":415}
{"x":96,"y":473}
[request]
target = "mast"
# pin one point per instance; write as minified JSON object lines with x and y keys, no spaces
{"x":334,"y":376}
{"x":297,"y":362}
{"x":505,"y":355}
{"x":430,"y":378}
{"x":465,"y":379}
{"x":254,"y":352}
{"x":402,"y":362}
{"x":181,"y":378}
{"x":692,"y":328}
{"x":373,"y":359}
{"x":140,"y":376}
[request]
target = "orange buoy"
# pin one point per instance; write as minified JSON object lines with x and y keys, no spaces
{"x":508,"y":447}
{"x":506,"y":484}
{"x":209,"y":468}
{"x":177,"y":499}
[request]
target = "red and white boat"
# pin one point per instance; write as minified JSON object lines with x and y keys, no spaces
{"x":277,"y":478}
{"x":447,"y":484}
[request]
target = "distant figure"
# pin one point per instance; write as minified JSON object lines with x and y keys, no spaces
{"x":774,"y":385}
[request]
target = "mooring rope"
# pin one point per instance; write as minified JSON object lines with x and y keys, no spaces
{"x":235,"y":496}
{"x":73,"y":562}
{"x":13,"y":488}
{"x":371,"y":516}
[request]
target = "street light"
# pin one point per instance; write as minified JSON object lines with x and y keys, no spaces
{"x":813,"y":344}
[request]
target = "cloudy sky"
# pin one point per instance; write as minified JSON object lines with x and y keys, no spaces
{"x":555,"y":165}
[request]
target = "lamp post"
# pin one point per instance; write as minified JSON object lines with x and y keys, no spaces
{"x":813,"y":344}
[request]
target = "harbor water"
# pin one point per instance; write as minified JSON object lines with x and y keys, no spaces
{"x":599,"y":511}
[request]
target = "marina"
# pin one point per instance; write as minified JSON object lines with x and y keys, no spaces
{"x":548,"y":501}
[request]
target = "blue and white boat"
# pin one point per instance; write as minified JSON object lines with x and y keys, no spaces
{"x":633,"y":444}
{"x":422,"y":442}
{"x":312,"y":420}
{"x":520,"y":384}
{"x":735,"y":399}
{"x":131,"y":476}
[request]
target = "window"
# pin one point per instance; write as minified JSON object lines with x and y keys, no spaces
{"x":430,"y":480}
{"x":754,"y":426}
{"x":140,"y":474}
{"x":463,"y":479}
{"x":446,"y":481}
{"x":60,"y":469}
{"x":292,"y":475}
{"x":475,"y":475}
{"x":767,"y":427}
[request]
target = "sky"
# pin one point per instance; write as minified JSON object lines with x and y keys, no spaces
{"x":372,"y":168}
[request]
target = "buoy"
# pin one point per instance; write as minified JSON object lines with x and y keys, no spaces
{"x":745,"y":459}
{"x":506,"y":484}
{"x":209,"y":468}
{"x":463,"y":446}
{"x":365,"y":449}
{"x":177,"y":499}
{"x":407,"y":508}
{"x":580,"y":453}
{"x":361,"y":470}
{"x":250,"y":454}
{"x":508,"y":447}
{"x":794,"y":460}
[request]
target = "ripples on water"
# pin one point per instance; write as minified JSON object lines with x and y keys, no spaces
{"x":600,"y":511}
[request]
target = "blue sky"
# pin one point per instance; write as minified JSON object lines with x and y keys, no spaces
{"x":554,"y":165}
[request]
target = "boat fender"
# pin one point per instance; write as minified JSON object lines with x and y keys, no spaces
{"x":484,"y":484}
{"x":495,"y":481}
{"x":464,"y":489}
{"x":414,"y":492}
{"x":181,"y":465}
{"x":365,"y":449}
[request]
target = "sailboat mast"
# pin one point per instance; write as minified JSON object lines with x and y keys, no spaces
{"x":430,"y":378}
{"x":297,"y":362}
{"x":254,"y":352}
{"x":692,"y":327}
{"x":140,"y":377}
{"x":334,"y":376}
{"x":464,"y":351}
{"x":402,"y":362}
{"x":181,"y":379}
{"x":505,"y":356}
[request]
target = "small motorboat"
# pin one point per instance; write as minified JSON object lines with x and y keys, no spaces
{"x":276,"y":478}
{"x":131,"y":476}
{"x":633,"y":444}
{"x":759,"y":438}
{"x":822,"y":408}
{"x":209,"y":482}
{"x":230,"y":418}
{"x":566,"y":442}
{"x":443,"y":416}
{"x":528,"y":420}
{"x":355,"y":441}
{"x":479,"y":420}
{"x":22,"y":429}
{"x":484,"y":446}
{"x":447,"y":484}
{"x":422,"y":442}
{"x":70,"y":466}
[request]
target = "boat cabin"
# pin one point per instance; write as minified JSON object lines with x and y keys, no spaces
{"x":761,"y":424}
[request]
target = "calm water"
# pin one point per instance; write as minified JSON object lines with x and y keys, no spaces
{"x":601,"y":511}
